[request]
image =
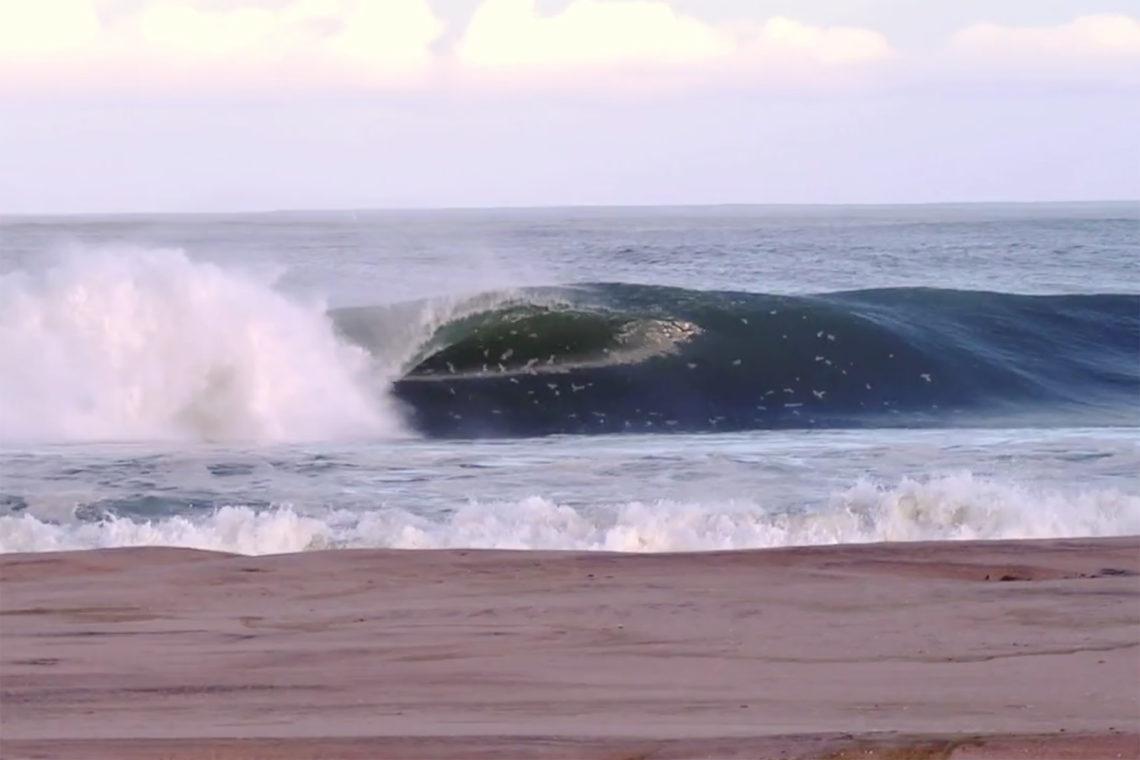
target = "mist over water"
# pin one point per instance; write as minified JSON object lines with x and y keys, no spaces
{"x":135,"y":344}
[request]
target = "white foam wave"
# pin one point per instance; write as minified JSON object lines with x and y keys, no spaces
{"x":115,"y":344}
{"x":945,"y":508}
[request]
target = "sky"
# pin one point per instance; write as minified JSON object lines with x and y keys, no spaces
{"x":239,"y":105}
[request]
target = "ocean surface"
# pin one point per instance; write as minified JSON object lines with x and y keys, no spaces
{"x":640,"y":379}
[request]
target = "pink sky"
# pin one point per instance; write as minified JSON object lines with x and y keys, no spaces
{"x":174,"y":105}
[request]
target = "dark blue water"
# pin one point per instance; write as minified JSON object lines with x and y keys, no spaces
{"x":618,"y":358}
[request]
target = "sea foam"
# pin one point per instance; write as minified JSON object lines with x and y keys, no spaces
{"x":955,"y":507}
{"x":116,"y":344}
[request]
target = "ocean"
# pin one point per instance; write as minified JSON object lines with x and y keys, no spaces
{"x":623,"y":379}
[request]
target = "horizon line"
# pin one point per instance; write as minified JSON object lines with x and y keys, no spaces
{"x":572,"y":207}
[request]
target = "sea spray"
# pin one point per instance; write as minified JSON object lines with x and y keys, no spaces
{"x":127,"y":343}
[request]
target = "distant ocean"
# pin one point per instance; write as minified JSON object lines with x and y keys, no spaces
{"x":637,"y":379}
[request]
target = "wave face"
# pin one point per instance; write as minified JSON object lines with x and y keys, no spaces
{"x":128,"y":344}
{"x":627,"y":358}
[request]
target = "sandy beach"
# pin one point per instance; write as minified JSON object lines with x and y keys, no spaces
{"x":938,"y":650}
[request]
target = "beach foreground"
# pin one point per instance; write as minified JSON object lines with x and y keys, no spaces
{"x":938,"y":650}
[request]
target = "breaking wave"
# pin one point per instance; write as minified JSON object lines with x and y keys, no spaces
{"x":620,"y":358}
{"x":944,"y":508}
{"x":116,"y":344}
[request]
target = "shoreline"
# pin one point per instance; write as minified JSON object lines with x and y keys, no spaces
{"x":960,"y":650}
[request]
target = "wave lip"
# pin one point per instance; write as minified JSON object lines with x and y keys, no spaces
{"x":625,"y":358}
{"x":536,"y":340}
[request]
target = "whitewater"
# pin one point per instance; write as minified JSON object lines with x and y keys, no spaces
{"x":639,"y":380}
{"x":129,"y":344}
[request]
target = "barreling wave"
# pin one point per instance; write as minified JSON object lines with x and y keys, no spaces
{"x":144,"y":344}
{"x":631,"y":358}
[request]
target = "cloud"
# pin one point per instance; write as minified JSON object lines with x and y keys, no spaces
{"x":1104,"y":46}
{"x":177,"y":46}
{"x":509,"y":40}
{"x":303,"y":42}
{"x":786,"y":38}
{"x":32,"y":31}
{"x":511,"y":35}
{"x":193,"y":45}
{"x":1102,"y":35}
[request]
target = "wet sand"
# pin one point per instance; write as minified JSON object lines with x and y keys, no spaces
{"x":942,"y":650}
